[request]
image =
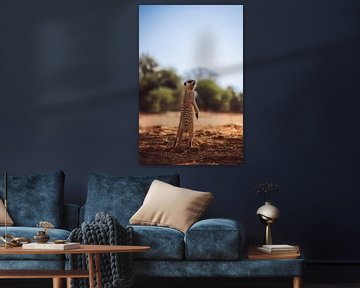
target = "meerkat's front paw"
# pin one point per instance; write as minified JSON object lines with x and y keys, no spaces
{"x":197,"y":115}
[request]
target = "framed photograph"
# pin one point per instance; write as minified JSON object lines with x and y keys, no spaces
{"x":191,"y":85}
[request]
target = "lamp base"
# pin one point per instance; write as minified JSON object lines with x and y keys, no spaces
{"x":268,"y":237}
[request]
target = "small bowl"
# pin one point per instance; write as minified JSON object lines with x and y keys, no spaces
{"x":41,"y":237}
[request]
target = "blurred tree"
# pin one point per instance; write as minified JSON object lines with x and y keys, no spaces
{"x":236,"y":104}
{"x":227,"y":95}
{"x":147,"y":64}
{"x":149,"y":81}
{"x":147,"y":84}
{"x":178,"y":95}
{"x":209,"y":95}
{"x":169,"y":78}
{"x":162,"y":89}
{"x":160,"y":99}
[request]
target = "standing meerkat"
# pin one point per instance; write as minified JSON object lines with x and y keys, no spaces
{"x":187,"y":113}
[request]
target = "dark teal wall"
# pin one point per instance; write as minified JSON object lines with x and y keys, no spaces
{"x":68,"y":100}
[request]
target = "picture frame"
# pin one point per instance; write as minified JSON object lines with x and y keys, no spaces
{"x":191,"y":85}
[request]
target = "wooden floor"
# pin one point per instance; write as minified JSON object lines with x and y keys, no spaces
{"x":45,"y":283}
{"x":259,"y":285}
{"x":339,"y":285}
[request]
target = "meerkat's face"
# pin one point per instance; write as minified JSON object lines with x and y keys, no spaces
{"x":190,"y":84}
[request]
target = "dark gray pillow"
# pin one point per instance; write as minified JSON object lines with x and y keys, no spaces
{"x":119,"y":196}
{"x":35,"y":198}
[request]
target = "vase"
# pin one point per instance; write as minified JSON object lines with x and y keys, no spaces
{"x":41,"y":237}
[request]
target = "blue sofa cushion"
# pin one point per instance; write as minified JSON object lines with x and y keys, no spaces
{"x":35,"y":198}
{"x":40,"y":264}
{"x":119,"y":196}
{"x":166,"y":243}
{"x":214,"y":239}
{"x":29,"y":232}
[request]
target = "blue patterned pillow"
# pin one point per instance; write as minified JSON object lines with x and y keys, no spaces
{"x":35,"y":198}
{"x":119,"y":196}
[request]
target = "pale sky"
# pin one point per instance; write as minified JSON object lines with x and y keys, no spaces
{"x":184,"y":37}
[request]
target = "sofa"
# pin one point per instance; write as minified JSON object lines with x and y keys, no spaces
{"x":209,"y":248}
{"x":32,"y":199}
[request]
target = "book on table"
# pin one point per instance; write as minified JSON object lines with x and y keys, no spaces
{"x":255,"y":254}
{"x":51,"y":246}
{"x":278,"y":249}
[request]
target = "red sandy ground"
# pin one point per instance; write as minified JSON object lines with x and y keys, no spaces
{"x":213,"y":145}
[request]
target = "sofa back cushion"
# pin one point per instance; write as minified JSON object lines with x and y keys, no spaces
{"x":35,"y":198}
{"x":120,"y":196}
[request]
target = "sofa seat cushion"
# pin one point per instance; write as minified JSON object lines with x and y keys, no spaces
{"x":214,"y":239}
{"x":39,"y":264}
{"x":119,"y":196}
{"x":29,"y":232}
{"x":166,"y":243}
{"x":213,"y":269}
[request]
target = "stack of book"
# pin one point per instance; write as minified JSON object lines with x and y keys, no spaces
{"x":279,"y":249}
{"x":51,"y":246}
{"x":274,"y":252}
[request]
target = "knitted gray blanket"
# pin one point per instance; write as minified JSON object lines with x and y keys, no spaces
{"x":116,"y":268}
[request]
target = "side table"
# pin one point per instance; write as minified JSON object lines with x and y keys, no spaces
{"x":289,"y":261}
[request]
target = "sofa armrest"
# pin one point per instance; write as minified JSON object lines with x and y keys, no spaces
{"x":215,"y":239}
{"x":71,"y":216}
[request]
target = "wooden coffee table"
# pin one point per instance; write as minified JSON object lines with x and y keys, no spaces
{"x":57,"y":275}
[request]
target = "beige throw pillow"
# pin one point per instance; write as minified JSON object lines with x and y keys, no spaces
{"x":170,"y":206}
{"x":9,"y":221}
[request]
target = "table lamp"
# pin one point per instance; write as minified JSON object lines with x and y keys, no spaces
{"x":268,"y":214}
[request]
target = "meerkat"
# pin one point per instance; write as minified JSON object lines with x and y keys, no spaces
{"x":187,"y":113}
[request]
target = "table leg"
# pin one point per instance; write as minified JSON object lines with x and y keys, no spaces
{"x":57,"y":283}
{"x":91,"y":270}
{"x":68,"y":282}
{"x":98,"y":270}
{"x":297,"y":282}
